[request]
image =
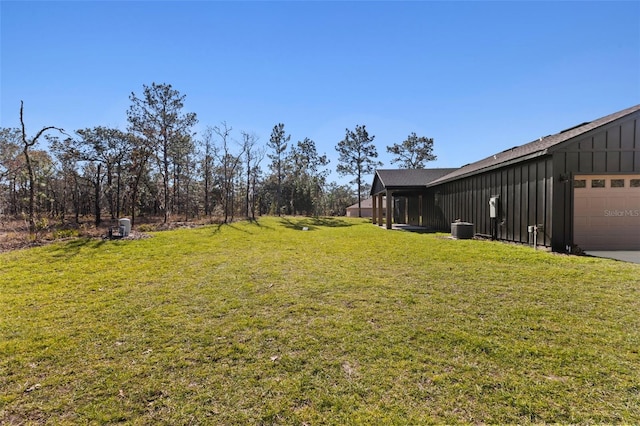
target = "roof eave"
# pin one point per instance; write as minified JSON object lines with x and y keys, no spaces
{"x":516,"y":160}
{"x":375,"y":176}
{"x":388,"y":189}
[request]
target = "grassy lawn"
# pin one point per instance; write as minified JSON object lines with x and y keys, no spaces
{"x":344,"y":323}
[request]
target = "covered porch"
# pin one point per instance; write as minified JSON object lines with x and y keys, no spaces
{"x":401,"y":196}
{"x":399,"y":208}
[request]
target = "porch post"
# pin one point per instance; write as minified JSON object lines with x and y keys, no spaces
{"x":389,"y":210}
{"x":406,"y":210}
{"x":374,"y":213}
{"x":380,"y":210}
{"x":420,"y":212}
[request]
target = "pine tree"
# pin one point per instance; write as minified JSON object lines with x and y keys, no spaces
{"x":357,"y":158}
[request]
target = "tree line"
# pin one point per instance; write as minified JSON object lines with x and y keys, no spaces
{"x":160,"y":167}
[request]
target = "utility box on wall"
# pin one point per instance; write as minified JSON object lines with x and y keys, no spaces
{"x":494,"y":206}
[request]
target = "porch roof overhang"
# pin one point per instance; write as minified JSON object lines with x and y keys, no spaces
{"x":403,"y":191}
{"x":405,"y":181}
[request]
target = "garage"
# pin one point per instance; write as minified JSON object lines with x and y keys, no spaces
{"x":606,"y":212}
{"x":578,"y":187}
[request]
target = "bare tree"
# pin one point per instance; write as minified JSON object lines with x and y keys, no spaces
{"x":68,"y":177}
{"x":253,"y":157}
{"x":27,"y":144}
{"x":229,"y":162}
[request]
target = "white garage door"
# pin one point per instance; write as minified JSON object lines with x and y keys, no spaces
{"x":607,"y":212}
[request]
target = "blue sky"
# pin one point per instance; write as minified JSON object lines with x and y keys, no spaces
{"x":478,"y":77}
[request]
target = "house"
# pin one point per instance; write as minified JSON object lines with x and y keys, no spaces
{"x":408,"y":187}
{"x":366,"y":206}
{"x":579,"y":187}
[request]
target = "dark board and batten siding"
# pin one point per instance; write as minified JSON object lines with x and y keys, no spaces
{"x":524,"y":189}
{"x":537,"y":191}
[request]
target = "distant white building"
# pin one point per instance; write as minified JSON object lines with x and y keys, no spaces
{"x":366,"y":208}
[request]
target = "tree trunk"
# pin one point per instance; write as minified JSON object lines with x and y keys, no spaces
{"x":166,"y":196}
{"x":359,"y":197}
{"x":97,"y":197}
{"x":134,"y":192}
{"x":253,"y":198}
{"x":207,"y":210}
{"x":32,"y":191}
{"x":64,"y":199}
{"x":248,"y":189}
{"x":118,"y":192}
{"x":133,"y":206}
{"x":76,"y":199}
{"x":165,"y":177}
{"x":112,"y":209}
{"x":279,"y":190}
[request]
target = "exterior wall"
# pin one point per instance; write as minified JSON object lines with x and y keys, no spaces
{"x":413,"y":210}
{"x":365,"y":211}
{"x":406,"y":209}
{"x":399,"y":209}
{"x":539,"y":191}
{"x":610,"y":150}
{"x":525,"y":194}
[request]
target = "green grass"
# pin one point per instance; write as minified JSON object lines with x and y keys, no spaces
{"x":345,"y":323}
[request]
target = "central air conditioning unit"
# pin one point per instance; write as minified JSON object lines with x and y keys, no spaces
{"x":462,"y":230}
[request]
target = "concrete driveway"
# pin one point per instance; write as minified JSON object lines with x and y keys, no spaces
{"x":625,"y":256}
